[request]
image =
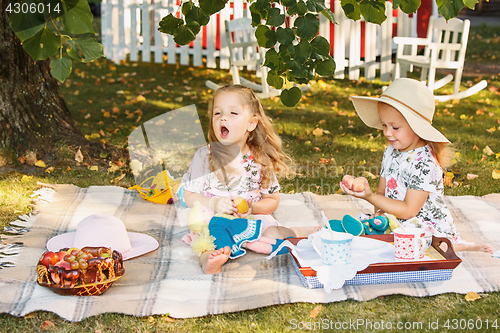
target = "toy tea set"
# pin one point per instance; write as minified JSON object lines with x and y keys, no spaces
{"x":351,"y":252}
{"x":87,"y":262}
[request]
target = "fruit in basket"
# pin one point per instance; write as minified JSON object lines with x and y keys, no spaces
{"x":241,"y":205}
{"x":90,"y":271}
{"x":49,"y":258}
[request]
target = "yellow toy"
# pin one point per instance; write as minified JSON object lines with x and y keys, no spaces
{"x":197,"y":219}
{"x":162,"y":189}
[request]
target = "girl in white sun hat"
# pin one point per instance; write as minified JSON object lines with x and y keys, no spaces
{"x":411,"y":176}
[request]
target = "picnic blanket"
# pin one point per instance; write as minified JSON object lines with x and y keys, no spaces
{"x":170,"y":280}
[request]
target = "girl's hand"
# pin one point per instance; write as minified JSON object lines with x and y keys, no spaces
{"x":244,"y":216}
{"x":366,"y":193}
{"x":224,"y":205}
{"x":379,"y":212}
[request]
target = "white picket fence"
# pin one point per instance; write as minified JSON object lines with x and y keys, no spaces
{"x":131,"y":26}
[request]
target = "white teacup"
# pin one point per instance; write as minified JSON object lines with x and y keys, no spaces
{"x":411,"y":243}
{"x":334,"y":248}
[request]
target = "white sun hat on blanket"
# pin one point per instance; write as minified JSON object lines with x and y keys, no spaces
{"x":104,"y":230}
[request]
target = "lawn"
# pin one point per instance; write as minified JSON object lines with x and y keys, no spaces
{"x":322,"y":134}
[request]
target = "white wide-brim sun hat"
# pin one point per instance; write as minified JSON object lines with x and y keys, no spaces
{"x":108,"y":231}
{"x":412,"y":98}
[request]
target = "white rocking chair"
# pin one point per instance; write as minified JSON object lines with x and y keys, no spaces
{"x":445,"y":47}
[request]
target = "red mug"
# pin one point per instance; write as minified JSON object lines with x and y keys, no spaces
{"x":409,"y":243}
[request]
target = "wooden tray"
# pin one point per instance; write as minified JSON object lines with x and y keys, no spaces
{"x":392,"y":272}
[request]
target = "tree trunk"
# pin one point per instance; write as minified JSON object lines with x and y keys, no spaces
{"x":33,"y":113}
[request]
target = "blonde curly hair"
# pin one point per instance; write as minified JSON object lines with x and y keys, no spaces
{"x":264,"y":142}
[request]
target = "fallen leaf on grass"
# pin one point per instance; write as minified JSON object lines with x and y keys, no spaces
{"x":117,"y":179}
{"x":79,"y":156}
{"x":318,"y":132}
{"x":47,"y":325}
{"x":40,"y":164}
{"x":167,"y":319}
{"x":50,"y":169}
{"x":495,"y":174}
{"x":113,"y":167}
{"x":94,"y":168}
{"x":471,"y":176}
{"x":368,"y":174}
{"x":314,"y":313}
{"x":472,"y":296}
{"x":487,"y":150}
{"x":26,"y":178}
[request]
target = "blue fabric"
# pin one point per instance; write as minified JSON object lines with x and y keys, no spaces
{"x":180,"y":193}
{"x":234,"y":233}
{"x":284,"y":250}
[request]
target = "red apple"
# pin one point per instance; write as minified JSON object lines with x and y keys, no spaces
{"x":347,"y":181}
{"x":49,"y":258}
{"x":61,"y":255}
{"x":358,"y":184}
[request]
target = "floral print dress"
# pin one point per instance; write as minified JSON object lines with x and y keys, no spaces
{"x":418,"y":169}
{"x":200,"y":179}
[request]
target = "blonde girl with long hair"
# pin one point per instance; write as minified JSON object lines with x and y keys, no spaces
{"x":243,"y":159}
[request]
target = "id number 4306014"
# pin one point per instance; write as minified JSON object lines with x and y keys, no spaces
{"x":472,"y":324}
{"x":33,"y":7}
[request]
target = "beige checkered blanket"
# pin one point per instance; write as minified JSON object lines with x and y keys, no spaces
{"x":169,"y":280}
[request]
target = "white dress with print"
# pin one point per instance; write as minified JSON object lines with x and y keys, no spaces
{"x":418,"y":169}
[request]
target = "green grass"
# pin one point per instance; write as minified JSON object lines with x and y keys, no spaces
{"x":102,"y":98}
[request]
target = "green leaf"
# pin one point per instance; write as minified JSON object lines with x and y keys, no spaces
{"x":288,"y":3}
{"x":274,"y":80}
{"x":351,"y":9}
{"x":320,"y":46}
{"x":303,"y":51}
{"x":195,"y":14}
{"x":169,"y":23}
{"x":26,"y":25}
{"x":212,"y":6}
{"x":89,"y":47}
{"x":186,"y":7}
{"x":43,"y":45}
{"x":256,"y":14}
{"x":290,"y":97}
{"x":298,"y":69}
{"x":470,"y":3}
{"x":263,"y":5}
{"x":286,"y":51}
{"x":272,"y":59}
{"x":275,"y":18}
{"x":326,"y":68}
{"x":300,"y":8}
{"x":373,"y":11}
{"x":316,"y":5}
{"x":183,"y":35}
{"x":77,"y":18}
{"x":409,"y":6}
{"x":307,"y":26}
{"x":285,"y":36}
{"x":329,"y":15}
{"x":265,"y":36}
{"x":60,"y":68}
{"x":449,"y":8}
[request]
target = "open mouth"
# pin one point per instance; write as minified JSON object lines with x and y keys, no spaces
{"x":224,"y":132}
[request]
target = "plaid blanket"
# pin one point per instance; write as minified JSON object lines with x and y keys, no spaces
{"x":170,"y":280}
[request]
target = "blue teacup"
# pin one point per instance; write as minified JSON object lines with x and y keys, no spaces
{"x":334,"y":248}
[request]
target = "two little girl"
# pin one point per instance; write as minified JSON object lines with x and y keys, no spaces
{"x":410,"y":185}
